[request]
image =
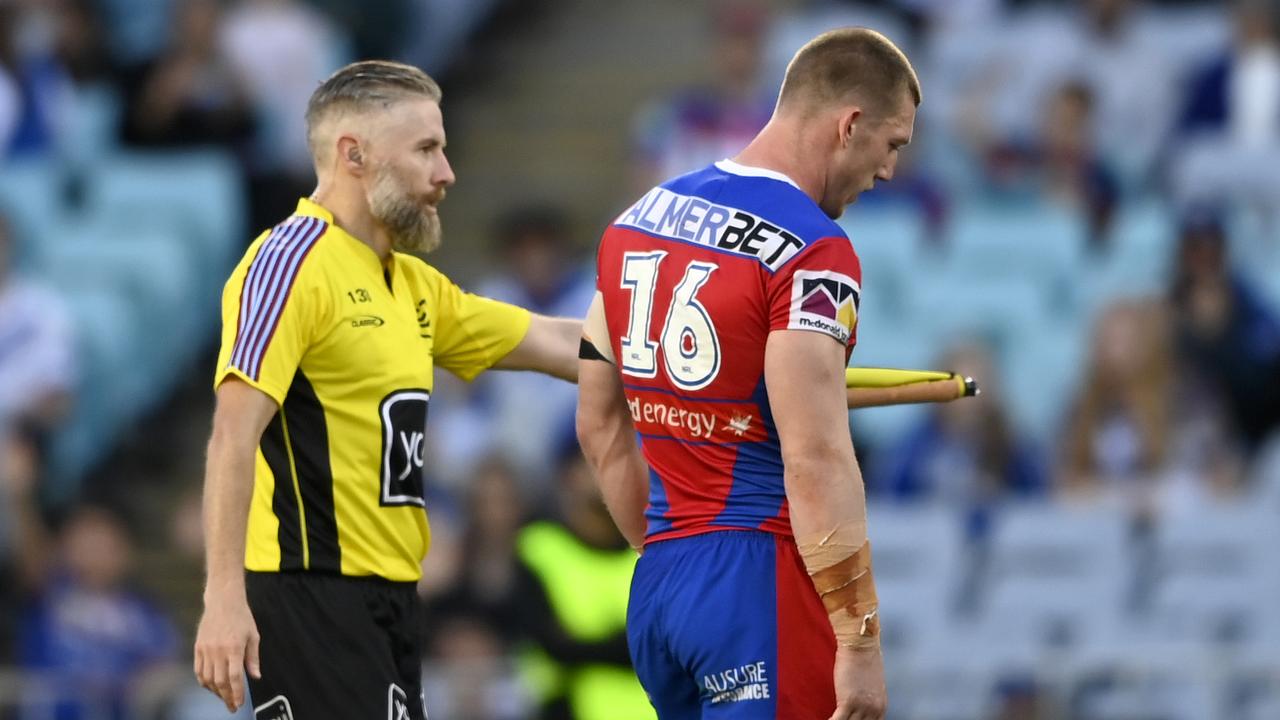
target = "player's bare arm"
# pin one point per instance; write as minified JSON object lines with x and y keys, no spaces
{"x":606,"y":433}
{"x":227,"y":638}
{"x":550,"y":346}
{"x":804,"y":372}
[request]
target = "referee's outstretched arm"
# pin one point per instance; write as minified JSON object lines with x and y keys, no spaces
{"x":227,"y":640}
{"x":550,"y":346}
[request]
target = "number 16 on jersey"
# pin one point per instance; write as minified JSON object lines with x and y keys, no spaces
{"x":690,"y":346}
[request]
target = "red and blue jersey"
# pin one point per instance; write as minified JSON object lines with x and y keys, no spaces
{"x":694,"y":277}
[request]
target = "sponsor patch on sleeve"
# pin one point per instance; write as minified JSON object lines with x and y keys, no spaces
{"x":824,"y":301}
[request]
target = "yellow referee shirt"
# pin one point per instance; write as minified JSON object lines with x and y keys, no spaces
{"x":346,"y":347}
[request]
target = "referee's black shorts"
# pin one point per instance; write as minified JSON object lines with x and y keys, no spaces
{"x":336,"y":647}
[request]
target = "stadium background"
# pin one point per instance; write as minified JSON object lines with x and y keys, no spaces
{"x":1088,"y":222}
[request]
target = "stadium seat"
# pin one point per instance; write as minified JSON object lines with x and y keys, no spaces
{"x":154,"y":274}
{"x":199,"y":192}
{"x":918,"y":553}
{"x":953,"y":676}
{"x":1036,"y":242}
{"x":1136,"y":263}
{"x":1042,"y":370}
{"x":888,"y":242}
{"x":112,"y":381}
{"x":950,"y":304}
{"x":94,"y":123}
{"x":1055,"y":574}
{"x":1154,"y":679}
{"x":30,"y":196}
{"x":1217,"y":577}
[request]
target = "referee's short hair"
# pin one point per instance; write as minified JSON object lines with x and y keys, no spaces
{"x":366,"y":85}
{"x":845,"y":64}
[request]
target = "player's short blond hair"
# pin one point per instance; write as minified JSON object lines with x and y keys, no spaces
{"x":851,"y":63}
{"x":364,"y":86}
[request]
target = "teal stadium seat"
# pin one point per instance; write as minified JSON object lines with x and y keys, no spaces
{"x":110,"y":344}
{"x":1043,"y":369}
{"x":198,"y":192}
{"x":1042,"y":243}
{"x":153,"y":274}
{"x":1137,"y":262}
{"x":888,"y":241}
{"x":30,"y":196}
{"x":94,"y":122}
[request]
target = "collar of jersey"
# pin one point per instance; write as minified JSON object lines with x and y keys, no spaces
{"x":311,"y":208}
{"x":735,"y":168}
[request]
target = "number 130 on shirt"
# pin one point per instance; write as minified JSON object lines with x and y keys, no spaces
{"x":690,"y":346}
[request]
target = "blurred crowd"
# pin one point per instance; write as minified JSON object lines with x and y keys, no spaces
{"x":1087,"y":109}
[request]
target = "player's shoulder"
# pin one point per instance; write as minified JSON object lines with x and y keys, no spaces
{"x":777,"y":198}
{"x":736,"y":208}
{"x":287,"y":250}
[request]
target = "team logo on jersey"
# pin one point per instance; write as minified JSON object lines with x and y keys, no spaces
{"x":424,"y":320}
{"x":397,"y":703}
{"x":366,"y":321}
{"x":825,"y":301}
{"x":404,"y":437}
{"x":277,"y":708}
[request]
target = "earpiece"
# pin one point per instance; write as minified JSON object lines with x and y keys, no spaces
{"x":353,"y":154}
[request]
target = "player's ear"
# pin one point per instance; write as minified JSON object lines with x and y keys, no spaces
{"x":350,"y":155}
{"x":848,"y":124}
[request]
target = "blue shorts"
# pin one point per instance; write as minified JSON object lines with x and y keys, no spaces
{"x":728,"y":625}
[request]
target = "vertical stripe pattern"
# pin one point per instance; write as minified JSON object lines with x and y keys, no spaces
{"x":284,"y":502}
{"x":309,"y":443}
{"x":266,"y":288}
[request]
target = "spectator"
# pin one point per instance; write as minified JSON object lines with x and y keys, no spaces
{"x":582,"y":567}
{"x":21,"y":533}
{"x":1110,"y":45}
{"x":519,"y":414}
{"x":491,"y":585}
{"x":470,"y":676}
{"x":79,"y":43}
{"x":1237,"y":95}
{"x":1228,"y":145}
{"x":964,"y":454}
{"x":190,"y":95}
{"x":1139,"y":432}
{"x":477,"y":624}
{"x":1063,"y":164}
{"x":379,"y":28}
{"x":88,"y":631}
{"x":281,"y":50}
{"x":37,"y":353}
{"x":36,"y":83}
{"x":1224,"y":329}
{"x":701,"y":125}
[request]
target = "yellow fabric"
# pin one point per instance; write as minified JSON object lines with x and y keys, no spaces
{"x":588,"y":590}
{"x":587,"y":587}
{"x":602,"y":692}
{"x":346,"y":346}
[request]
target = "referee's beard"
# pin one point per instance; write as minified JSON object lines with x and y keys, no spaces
{"x":412,"y":224}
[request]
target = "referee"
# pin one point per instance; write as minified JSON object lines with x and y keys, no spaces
{"x":313,"y":498}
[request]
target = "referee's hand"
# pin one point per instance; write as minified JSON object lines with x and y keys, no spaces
{"x":860,"y":692}
{"x":227,"y":644}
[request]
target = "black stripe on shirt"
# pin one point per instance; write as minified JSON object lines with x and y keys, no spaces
{"x":284,"y":502}
{"x":309,"y":440}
